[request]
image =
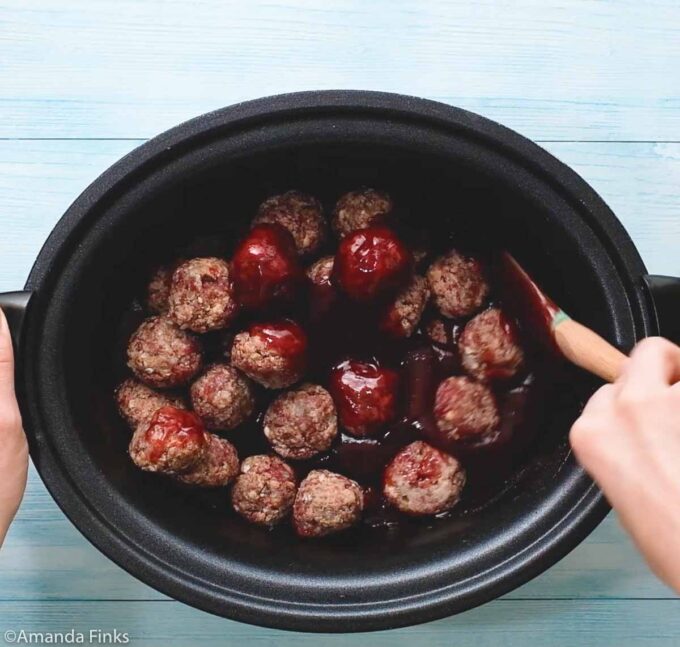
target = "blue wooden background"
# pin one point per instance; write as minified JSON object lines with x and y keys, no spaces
{"x":83,"y":82}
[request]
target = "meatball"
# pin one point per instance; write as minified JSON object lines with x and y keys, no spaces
{"x":488,"y":347}
{"x":437,"y":331}
{"x":222,"y":397}
{"x":158,"y":290}
{"x":371,"y":264}
{"x":173,"y":441}
{"x":273,"y":354}
{"x":266,"y":267}
{"x":326,"y":503}
{"x":365,"y":395}
{"x":162,"y":355}
{"x":464,"y":409}
{"x":202,"y":295}
{"x":217,"y":468}
{"x":301,"y":423}
{"x":319,"y":273}
{"x":137,"y":402}
{"x":360,"y":209}
{"x":458,"y":284}
{"x":401,"y":318}
{"x":300,"y":214}
{"x":264,"y":491}
{"x":422,"y":480}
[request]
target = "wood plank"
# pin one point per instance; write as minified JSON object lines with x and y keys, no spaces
{"x":571,"y":69}
{"x":548,"y":623}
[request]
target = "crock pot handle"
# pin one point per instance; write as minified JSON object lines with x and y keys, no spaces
{"x":664,"y":299}
{"x":15,"y":305}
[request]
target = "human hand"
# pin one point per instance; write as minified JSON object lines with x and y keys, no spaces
{"x":628,"y":439}
{"x":13,"y":446}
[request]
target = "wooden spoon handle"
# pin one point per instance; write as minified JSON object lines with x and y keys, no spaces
{"x":588,"y":350}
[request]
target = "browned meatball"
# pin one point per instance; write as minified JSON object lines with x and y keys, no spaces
{"x":438,"y":331}
{"x":300,"y":214}
{"x":458,"y":284}
{"x":173,"y":441}
{"x":326,"y":503}
{"x":273,"y":354}
{"x":218,"y":466}
{"x":264,"y":490}
{"x":202,"y":295}
{"x":162,"y":355}
{"x":465,"y":409}
{"x":488,"y":346}
{"x":422,"y":480}
{"x":403,"y":315}
{"x":137,"y":402}
{"x":158,"y":290}
{"x":222,"y":397}
{"x":319,"y":273}
{"x":301,"y":423}
{"x":360,"y":209}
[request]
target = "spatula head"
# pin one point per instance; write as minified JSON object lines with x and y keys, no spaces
{"x":534,"y":310}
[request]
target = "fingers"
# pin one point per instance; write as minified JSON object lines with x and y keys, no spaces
{"x":601,"y":399}
{"x":6,"y":361}
{"x":654,"y":364}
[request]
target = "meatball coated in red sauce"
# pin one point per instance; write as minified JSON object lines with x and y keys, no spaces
{"x":458,"y":285}
{"x":173,"y":441}
{"x":202,"y":295}
{"x":137,"y":402}
{"x":300,"y":214}
{"x":465,"y":409}
{"x":222,"y":397}
{"x":359,"y":210}
{"x":217,"y":468}
{"x":163,"y":355}
{"x":265,"y":267}
{"x":302,"y":423}
{"x":158,"y":289}
{"x":365,"y":395}
{"x":273,"y":354}
{"x":372,"y":264}
{"x":264,"y":491}
{"x":489,"y":348}
{"x":326,"y":503}
{"x":402,"y":317}
{"x":422,"y":480}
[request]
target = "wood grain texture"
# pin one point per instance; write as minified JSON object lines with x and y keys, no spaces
{"x":571,"y":69}
{"x":544,"y":623}
{"x":585,"y":348}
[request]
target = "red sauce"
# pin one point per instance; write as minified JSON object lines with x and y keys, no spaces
{"x":266,"y":268}
{"x":365,"y":395}
{"x":285,"y":337}
{"x":371,"y":263}
{"x":173,"y":426}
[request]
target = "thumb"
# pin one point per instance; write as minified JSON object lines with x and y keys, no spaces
{"x":6,"y":361}
{"x":13,"y":448}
